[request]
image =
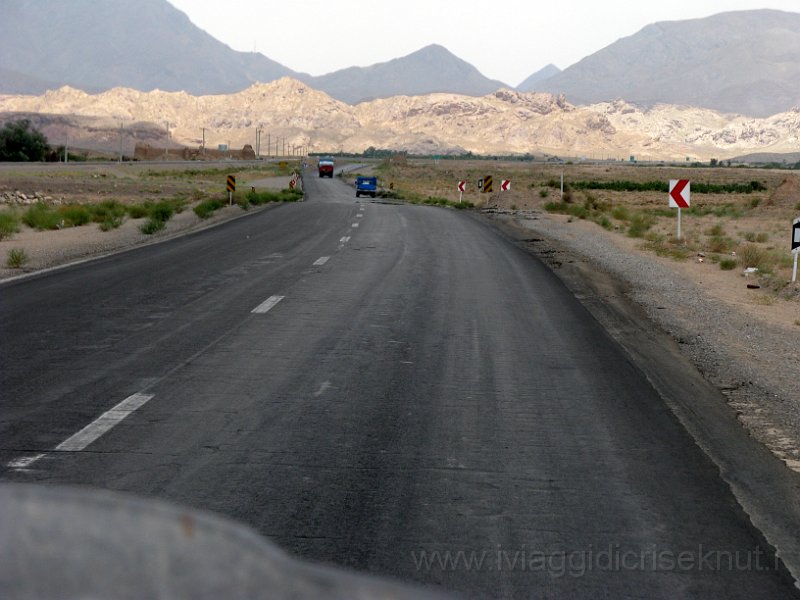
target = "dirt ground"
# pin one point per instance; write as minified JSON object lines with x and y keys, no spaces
{"x":127,"y":183}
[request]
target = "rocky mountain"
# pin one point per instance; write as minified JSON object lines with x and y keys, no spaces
{"x":431,"y":69}
{"x":532,"y":83}
{"x":91,"y":45}
{"x":504,"y":121}
{"x":149,"y":44}
{"x":746,"y":62}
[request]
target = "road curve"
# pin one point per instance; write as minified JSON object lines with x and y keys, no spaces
{"x":395,"y":389}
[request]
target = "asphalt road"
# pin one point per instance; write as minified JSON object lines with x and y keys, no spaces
{"x":419,"y":398}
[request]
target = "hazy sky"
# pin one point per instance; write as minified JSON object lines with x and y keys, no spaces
{"x":505,"y":39}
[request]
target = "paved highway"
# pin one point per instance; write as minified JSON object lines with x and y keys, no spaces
{"x":395,"y":389}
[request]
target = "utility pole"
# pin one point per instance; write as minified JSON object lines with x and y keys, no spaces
{"x":166,"y":146}
{"x":120,"y":142}
{"x":203,"y":147}
{"x":269,"y":144}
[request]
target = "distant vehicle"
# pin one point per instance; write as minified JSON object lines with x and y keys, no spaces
{"x":367,"y":186}
{"x":326,"y":167}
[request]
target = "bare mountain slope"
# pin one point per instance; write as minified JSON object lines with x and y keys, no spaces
{"x":533,"y":83}
{"x":502,"y":122}
{"x":146,"y":45}
{"x":431,"y":69}
{"x":746,"y":62}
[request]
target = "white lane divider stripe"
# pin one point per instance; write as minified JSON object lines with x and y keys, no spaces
{"x":267,"y":305}
{"x":359,"y":215}
{"x":103,"y":423}
{"x":345,"y":239}
{"x":100,"y":426}
{"x":355,"y":225}
{"x":321,"y":261}
{"x":24,"y":462}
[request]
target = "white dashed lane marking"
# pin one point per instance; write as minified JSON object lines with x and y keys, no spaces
{"x":86,"y":436}
{"x":321,"y":261}
{"x":267,"y":305}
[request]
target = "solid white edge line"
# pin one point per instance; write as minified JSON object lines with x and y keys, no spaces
{"x":103,"y":423}
{"x":267,"y":305}
{"x":321,"y":261}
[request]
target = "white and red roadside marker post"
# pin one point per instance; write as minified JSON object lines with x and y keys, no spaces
{"x":795,"y":246}
{"x":462,"y":187}
{"x":679,"y":197}
{"x":505,"y":185}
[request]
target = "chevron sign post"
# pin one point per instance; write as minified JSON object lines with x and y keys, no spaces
{"x":679,"y":194}
{"x":795,"y":246}
{"x":505,"y":185}
{"x":462,"y":187}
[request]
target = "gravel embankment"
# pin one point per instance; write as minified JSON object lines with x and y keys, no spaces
{"x":755,"y":364}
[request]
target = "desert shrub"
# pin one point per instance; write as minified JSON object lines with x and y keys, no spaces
{"x":621,"y":213}
{"x":152,"y":226}
{"x":544,"y":193}
{"x":17,"y":257}
{"x":9,"y":224}
{"x":162,"y":211}
{"x":720,"y":244}
{"x":751,"y":255}
{"x":75,"y":215}
{"x":42,"y":217}
{"x":727,"y":264}
{"x":639,"y":225}
{"x":137,"y":211}
{"x":207,"y":208}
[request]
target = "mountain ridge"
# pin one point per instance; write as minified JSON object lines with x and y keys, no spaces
{"x":503,"y":122}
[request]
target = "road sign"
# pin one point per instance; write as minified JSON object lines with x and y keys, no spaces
{"x":505,"y":185}
{"x":487,"y":184}
{"x":679,"y":193}
{"x":480,"y":184}
{"x":231,"y":183}
{"x":462,"y":186}
{"x":795,"y":246}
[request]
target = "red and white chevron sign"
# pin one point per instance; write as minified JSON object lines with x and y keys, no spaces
{"x":462,"y":186}
{"x":679,"y":193}
{"x":505,"y":185}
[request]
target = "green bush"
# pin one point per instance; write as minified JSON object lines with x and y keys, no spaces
{"x":42,"y":217}
{"x":162,"y":211}
{"x":9,"y":224}
{"x":17,"y":257}
{"x":720,"y":244}
{"x":207,"y":208}
{"x":108,"y":211}
{"x":152,"y":226}
{"x":285,"y":195}
{"x":751,"y":255}
{"x":138,"y":211}
{"x":728,"y":264}
{"x":640,"y":224}
{"x":75,"y":215}
{"x":621,"y":213}
{"x":20,"y":142}
{"x":544,"y":193}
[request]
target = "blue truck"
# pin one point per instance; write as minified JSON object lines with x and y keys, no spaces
{"x":367,"y":186}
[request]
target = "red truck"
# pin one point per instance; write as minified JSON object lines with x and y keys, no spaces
{"x":326,"y":167}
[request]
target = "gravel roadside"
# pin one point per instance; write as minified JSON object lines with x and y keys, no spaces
{"x":751,"y":358}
